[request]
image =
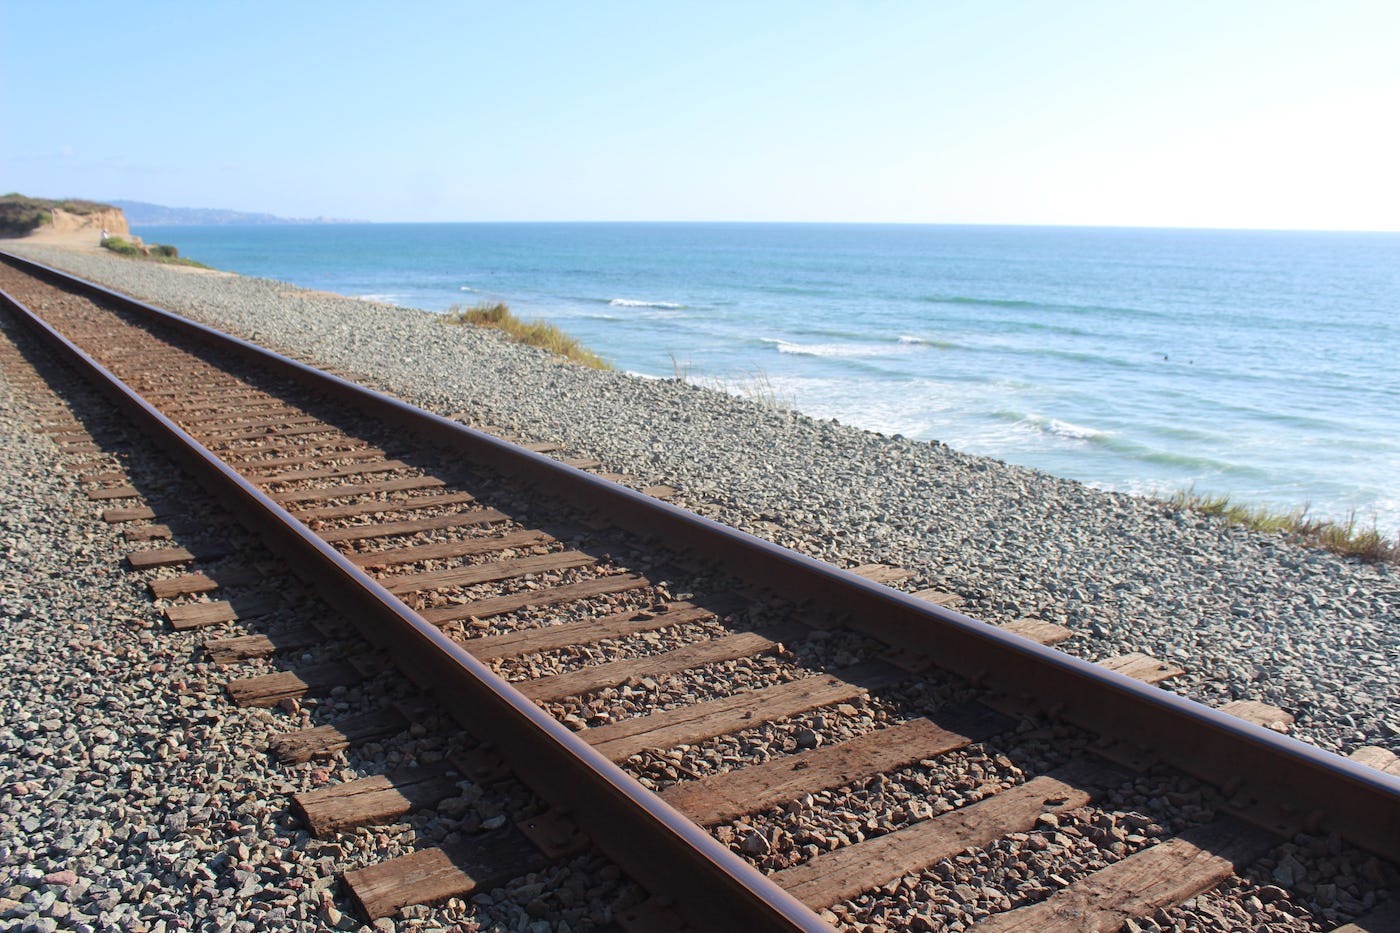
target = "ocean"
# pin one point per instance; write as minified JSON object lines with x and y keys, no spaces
{"x":1262,"y":365}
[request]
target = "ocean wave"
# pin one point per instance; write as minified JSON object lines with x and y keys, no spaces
{"x":833,"y":350}
{"x":1071,"y":430}
{"x":465,"y":288}
{"x":1018,"y":303}
{"x":985,"y":302}
{"x":1055,"y":427}
{"x":380,"y":299}
{"x":846,"y":350}
{"x":631,"y":303}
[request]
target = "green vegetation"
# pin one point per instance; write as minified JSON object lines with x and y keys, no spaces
{"x":20,"y":214}
{"x":123,"y":247}
{"x":158,"y":252}
{"x":1348,"y":538}
{"x":532,"y":333}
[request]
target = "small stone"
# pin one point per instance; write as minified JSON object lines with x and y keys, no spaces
{"x":328,"y":912}
{"x":755,"y":843}
{"x":65,"y":877}
{"x":452,"y":807}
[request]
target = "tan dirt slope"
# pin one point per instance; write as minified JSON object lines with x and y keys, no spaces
{"x":81,"y":232}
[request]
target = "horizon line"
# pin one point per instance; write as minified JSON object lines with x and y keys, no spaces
{"x":336,"y":222}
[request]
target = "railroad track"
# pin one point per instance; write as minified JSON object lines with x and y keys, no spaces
{"x":753,"y":736}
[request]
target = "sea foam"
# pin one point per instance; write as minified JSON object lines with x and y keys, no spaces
{"x":632,"y":303}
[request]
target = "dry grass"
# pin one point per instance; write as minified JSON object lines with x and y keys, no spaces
{"x":532,"y":333}
{"x":1348,"y":538}
{"x":753,"y":385}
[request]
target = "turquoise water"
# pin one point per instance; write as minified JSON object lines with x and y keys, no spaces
{"x":1259,"y":364}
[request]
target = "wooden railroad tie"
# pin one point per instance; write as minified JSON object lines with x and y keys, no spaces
{"x":323,"y":741}
{"x":436,"y":874}
{"x":1142,"y":667}
{"x":1382,"y":759}
{"x":1163,"y":875}
{"x":148,"y":533}
{"x":617,"y":625}
{"x":215,"y":612}
{"x":384,"y":507}
{"x":256,"y":466}
{"x":236,"y":648}
{"x":613,"y":673}
{"x":440,"y":550}
{"x":882,"y":573}
{"x":267,"y":690}
{"x":107,"y":493}
{"x":707,"y":719}
{"x":716,"y":798}
{"x":545,"y":596}
{"x":191,"y":584}
{"x":848,"y":871}
{"x":372,"y":800}
{"x":347,"y":490}
{"x":491,"y":572}
{"x":158,"y":557}
{"x":105,"y":478}
{"x":1261,"y":714}
{"x":334,"y":472}
{"x":136,"y":514}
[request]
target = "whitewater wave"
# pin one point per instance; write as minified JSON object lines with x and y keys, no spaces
{"x":465,"y":288}
{"x":845,"y":350}
{"x":381,"y":299}
{"x":633,"y":303}
{"x":1070,"y":430}
{"x":1056,"y":427}
{"x":835,"y":350}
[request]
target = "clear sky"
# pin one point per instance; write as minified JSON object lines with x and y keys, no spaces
{"x":1275,"y":114}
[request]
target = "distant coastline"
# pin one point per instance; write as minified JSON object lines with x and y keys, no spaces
{"x":140,"y":213}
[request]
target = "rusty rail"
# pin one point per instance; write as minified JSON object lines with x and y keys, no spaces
{"x":1294,"y":781}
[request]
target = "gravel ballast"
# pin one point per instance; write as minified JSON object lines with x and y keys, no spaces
{"x":1248,"y":615}
{"x":134,"y":795}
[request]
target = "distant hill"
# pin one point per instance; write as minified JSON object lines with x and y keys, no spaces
{"x":139,"y":213}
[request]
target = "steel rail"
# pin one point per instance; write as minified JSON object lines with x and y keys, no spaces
{"x":1299,"y":783}
{"x":659,"y":848}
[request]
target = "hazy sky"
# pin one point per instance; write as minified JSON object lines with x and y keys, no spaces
{"x":1216,"y":114}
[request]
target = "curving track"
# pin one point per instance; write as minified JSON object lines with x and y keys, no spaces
{"x":664,"y":682}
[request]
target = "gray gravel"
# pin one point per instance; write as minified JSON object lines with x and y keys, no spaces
{"x":1248,"y":616}
{"x":135,"y":797}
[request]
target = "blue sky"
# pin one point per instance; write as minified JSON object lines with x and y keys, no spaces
{"x":1219,"y":114}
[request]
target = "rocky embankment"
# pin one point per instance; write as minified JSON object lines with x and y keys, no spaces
{"x":1249,"y":616}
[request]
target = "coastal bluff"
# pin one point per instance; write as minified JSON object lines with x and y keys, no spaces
{"x":68,"y":223}
{"x":82,"y":231}
{"x":72,"y":224}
